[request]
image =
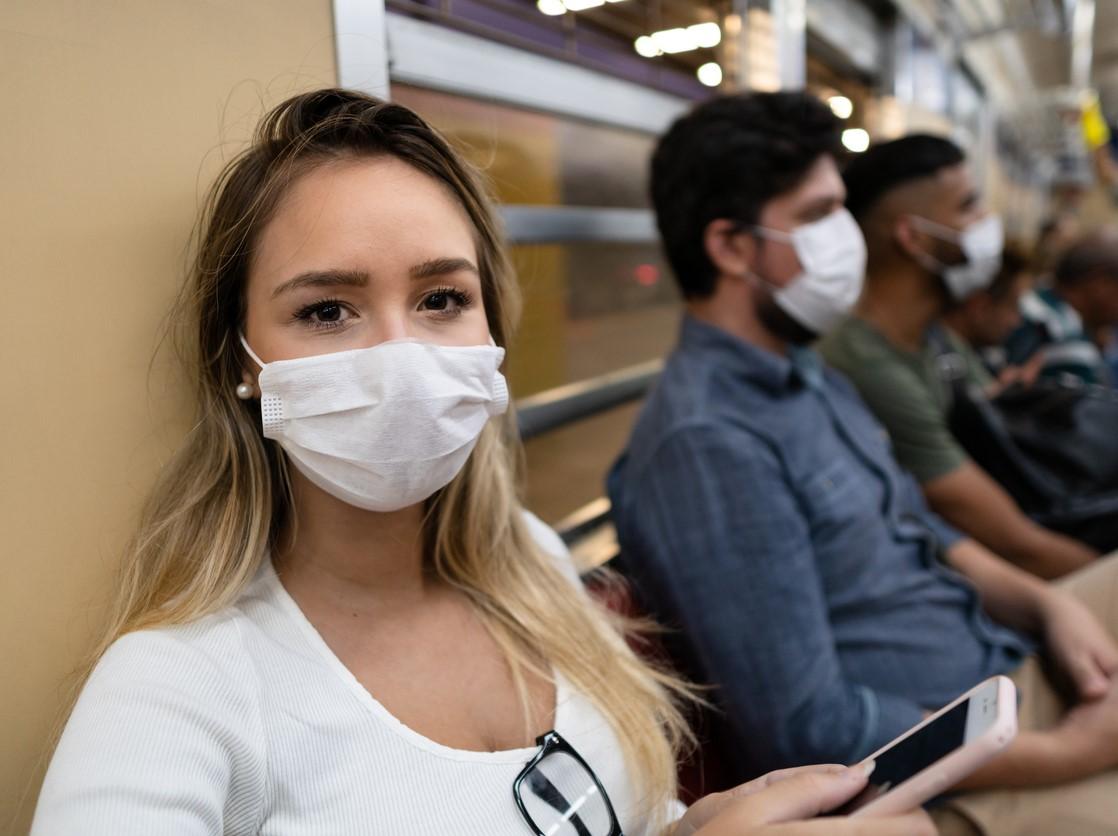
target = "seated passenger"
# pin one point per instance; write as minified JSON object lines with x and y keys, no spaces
{"x":336,"y":618}
{"x":931,"y":244}
{"x":761,"y":512}
{"x":977,"y":327}
{"x":1055,"y":235}
{"x":1110,"y":351}
{"x":1064,"y":321}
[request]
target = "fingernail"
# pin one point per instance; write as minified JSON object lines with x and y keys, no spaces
{"x":867,"y":768}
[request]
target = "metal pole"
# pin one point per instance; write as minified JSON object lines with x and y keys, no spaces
{"x":734,"y":50}
{"x":790,"y":29}
{"x":1082,"y":32}
{"x":361,"y":46}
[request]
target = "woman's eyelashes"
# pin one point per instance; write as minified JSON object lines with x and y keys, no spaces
{"x":324,"y":314}
{"x":445,"y":301}
{"x":328,"y":314}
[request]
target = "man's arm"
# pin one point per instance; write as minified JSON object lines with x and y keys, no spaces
{"x":721,"y":538}
{"x":1080,"y":649}
{"x":1083,"y":744}
{"x":1074,"y":639}
{"x":956,"y":488}
{"x":973,"y":502}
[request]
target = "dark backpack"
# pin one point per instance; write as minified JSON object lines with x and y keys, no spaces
{"x":1053,"y":446}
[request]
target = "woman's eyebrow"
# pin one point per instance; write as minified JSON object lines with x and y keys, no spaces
{"x":323,"y":278}
{"x":441,"y":267}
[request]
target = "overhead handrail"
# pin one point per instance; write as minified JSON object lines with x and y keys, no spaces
{"x":528,"y":224}
{"x":587,"y":532}
{"x":564,"y":405}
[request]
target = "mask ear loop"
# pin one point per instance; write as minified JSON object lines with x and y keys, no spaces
{"x":926,"y":260}
{"x":763,"y":234}
{"x":252,"y":353}
{"x":938,"y":230}
{"x":245,"y":390}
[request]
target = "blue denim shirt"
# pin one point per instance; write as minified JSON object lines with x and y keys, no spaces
{"x":760,"y":511}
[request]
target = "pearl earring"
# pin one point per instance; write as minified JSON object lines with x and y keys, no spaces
{"x":244,"y":391}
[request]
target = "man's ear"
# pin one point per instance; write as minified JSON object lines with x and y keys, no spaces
{"x":905,"y":235}
{"x":731,"y":250}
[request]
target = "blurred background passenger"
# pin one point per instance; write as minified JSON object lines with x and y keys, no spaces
{"x":761,"y":512}
{"x":932,"y":243}
{"x":1072,"y":322}
{"x":976,"y":328}
{"x":1109,"y":342}
{"x":1054,"y":236}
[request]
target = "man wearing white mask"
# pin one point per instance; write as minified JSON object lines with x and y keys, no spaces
{"x":932,"y":243}
{"x":764,"y":520}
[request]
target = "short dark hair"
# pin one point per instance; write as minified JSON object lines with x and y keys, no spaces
{"x":887,"y":165}
{"x":726,"y":159}
{"x":1096,"y":253}
{"x":1015,"y":261}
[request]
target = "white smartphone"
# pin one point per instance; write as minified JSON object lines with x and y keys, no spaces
{"x":941,"y":751}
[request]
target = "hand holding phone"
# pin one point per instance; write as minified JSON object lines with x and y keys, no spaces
{"x":788,"y":803}
{"x":941,"y":751}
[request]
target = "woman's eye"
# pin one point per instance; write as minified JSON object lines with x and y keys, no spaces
{"x":446,"y":302}
{"x":327,"y":314}
{"x":437,"y":302}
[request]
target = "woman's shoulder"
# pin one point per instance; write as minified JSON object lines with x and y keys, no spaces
{"x":200,"y":668}
{"x":545,"y":536}
{"x":211,"y":644}
{"x":166,"y":731}
{"x":551,"y":544}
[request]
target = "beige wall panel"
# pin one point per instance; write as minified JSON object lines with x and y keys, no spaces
{"x":116,"y":116}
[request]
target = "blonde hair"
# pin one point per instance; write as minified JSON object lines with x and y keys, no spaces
{"x":221,"y":502}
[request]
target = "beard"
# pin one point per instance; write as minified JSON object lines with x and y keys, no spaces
{"x":780,"y":324}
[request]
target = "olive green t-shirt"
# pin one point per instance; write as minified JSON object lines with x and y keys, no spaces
{"x":906,"y":393}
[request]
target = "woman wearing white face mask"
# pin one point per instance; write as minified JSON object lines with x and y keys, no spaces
{"x":376,"y":639}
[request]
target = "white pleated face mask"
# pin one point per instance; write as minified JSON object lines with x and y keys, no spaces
{"x":385,"y":427}
{"x":832,"y":254}
{"x":982,"y":243}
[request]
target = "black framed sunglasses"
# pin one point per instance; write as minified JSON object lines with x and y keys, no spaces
{"x":558,"y":793}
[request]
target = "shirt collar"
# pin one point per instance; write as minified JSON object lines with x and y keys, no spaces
{"x":758,"y":365}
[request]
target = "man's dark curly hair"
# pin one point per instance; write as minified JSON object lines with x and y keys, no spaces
{"x":726,"y":159}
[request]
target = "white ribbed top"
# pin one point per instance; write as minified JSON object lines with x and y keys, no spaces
{"x":245,"y":722}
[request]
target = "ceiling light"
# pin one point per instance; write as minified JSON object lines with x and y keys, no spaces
{"x":856,"y":140}
{"x":841,"y":106}
{"x":705,"y":34}
{"x":710,"y":74}
{"x":699,"y":36}
{"x":673,"y":40}
{"x":559,"y":7}
{"x":645,"y":46}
